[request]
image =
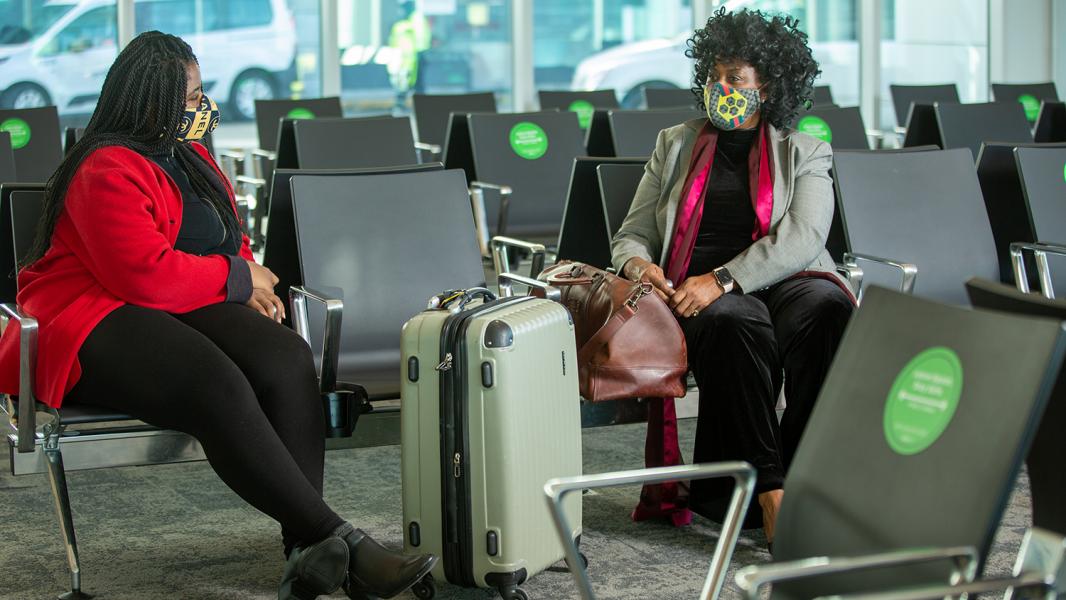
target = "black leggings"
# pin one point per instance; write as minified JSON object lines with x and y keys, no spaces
{"x":238,"y":382}
{"x":738,"y":349}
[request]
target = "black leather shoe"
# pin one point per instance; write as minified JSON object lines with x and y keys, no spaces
{"x":377,"y":572}
{"x":316,"y":570}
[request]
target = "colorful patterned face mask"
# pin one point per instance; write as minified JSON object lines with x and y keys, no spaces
{"x":730,"y":107}
{"x":198,"y":122}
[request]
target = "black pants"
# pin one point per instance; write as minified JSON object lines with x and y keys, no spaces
{"x":238,"y":382}
{"x":739,"y":348}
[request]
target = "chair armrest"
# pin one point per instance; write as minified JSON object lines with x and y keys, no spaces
{"x":267,"y":154}
{"x":27,"y":415}
{"x":507,"y":280}
{"x":331,"y":336}
{"x":502,"y":263}
{"x":1040,"y":251}
{"x":742,"y":473}
{"x":231,"y":153}
{"x":909,"y":272}
{"x":853,"y":273}
{"x":258,"y":157}
{"x":751,"y":579}
{"x":433,"y":149}
{"x":477,"y":199}
{"x":1041,"y":565}
{"x":257,"y":183}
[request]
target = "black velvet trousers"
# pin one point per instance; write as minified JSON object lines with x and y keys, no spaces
{"x":741,"y":350}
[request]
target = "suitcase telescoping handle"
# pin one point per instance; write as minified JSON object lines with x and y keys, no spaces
{"x":456,"y":300}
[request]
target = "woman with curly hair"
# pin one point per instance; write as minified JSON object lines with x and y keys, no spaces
{"x":729,"y":226}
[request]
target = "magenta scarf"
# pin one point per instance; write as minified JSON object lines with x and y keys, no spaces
{"x":670,"y":500}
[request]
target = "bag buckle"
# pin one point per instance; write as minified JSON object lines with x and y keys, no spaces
{"x":642,"y":290}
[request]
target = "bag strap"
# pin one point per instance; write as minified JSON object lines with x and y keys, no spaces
{"x":608,"y":331}
{"x":614,"y":324}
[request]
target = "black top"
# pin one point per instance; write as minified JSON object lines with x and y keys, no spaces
{"x":202,"y":230}
{"x":728,"y":215}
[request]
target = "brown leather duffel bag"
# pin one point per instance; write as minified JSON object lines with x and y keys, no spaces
{"x":629,"y":343}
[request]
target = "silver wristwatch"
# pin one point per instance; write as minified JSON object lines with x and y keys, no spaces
{"x":725,"y":279}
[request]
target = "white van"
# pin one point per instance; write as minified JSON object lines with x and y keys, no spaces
{"x":246,"y":48}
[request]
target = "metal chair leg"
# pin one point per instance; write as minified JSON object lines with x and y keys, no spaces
{"x":58,"y":479}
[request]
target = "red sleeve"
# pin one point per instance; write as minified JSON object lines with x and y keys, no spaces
{"x":122,"y":246}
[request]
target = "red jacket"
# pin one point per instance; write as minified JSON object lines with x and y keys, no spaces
{"x":113,"y":245}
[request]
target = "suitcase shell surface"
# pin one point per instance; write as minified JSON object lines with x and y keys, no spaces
{"x":490,"y":412}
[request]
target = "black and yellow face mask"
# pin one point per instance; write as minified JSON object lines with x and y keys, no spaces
{"x":198,"y":122}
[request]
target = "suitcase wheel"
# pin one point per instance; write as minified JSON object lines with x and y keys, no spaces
{"x":425,"y":589}
{"x":513,"y":593}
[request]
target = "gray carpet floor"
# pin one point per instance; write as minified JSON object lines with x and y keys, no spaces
{"x":176,"y":531}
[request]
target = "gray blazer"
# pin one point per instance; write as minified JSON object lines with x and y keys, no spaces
{"x":799,"y":225}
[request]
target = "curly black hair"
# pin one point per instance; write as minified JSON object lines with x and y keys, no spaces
{"x":772,"y":44}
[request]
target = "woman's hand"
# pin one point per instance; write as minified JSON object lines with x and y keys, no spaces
{"x":695,"y":294}
{"x":638,"y":269}
{"x":267,"y":303}
{"x":262,"y":277}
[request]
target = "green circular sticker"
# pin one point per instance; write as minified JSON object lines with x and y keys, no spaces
{"x":300,"y":113}
{"x":1031,"y":106}
{"x":817,"y":127}
{"x":19,"y":130}
{"x":584,"y":110}
{"x":923,"y":400}
{"x":528,"y":140}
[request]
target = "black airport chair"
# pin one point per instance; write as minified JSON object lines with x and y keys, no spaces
{"x":823,"y":96}
{"x":968,"y":125}
{"x":587,"y":227}
{"x":922,"y":128}
{"x":915,"y":220}
{"x":631,"y":132}
{"x":1050,"y":123}
{"x":354,"y":143}
{"x":656,"y":98}
{"x":1023,"y":211}
{"x":71,"y":136}
{"x":911,"y":419}
{"x":7,"y":159}
{"x":36,"y":141}
{"x":1029,"y":95}
{"x":363,"y":243}
{"x":1041,"y":171}
{"x":582,"y":103}
{"x":432,"y":113}
{"x":841,"y":128}
{"x":903,"y":96}
{"x":525,"y":159}
{"x":1044,"y":461}
{"x":280,"y":251}
{"x":269,"y":112}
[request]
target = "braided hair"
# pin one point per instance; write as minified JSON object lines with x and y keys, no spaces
{"x":140,"y":107}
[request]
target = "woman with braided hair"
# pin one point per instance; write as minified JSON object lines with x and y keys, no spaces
{"x":149,"y":303}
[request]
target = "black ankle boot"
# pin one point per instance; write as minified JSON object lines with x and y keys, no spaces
{"x":377,"y":572}
{"x":316,"y":570}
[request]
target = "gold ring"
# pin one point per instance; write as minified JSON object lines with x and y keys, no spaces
{"x":695,"y":312}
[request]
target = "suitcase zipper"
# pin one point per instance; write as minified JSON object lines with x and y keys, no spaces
{"x":458,"y":531}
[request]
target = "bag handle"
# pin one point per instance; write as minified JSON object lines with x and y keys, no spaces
{"x":573,"y":276}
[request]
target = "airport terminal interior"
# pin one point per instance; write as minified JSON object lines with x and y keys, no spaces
{"x":549,"y":299}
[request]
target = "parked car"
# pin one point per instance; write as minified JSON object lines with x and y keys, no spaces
{"x":247,"y":50}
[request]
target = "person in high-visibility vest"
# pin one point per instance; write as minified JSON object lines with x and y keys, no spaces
{"x":409,"y":37}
